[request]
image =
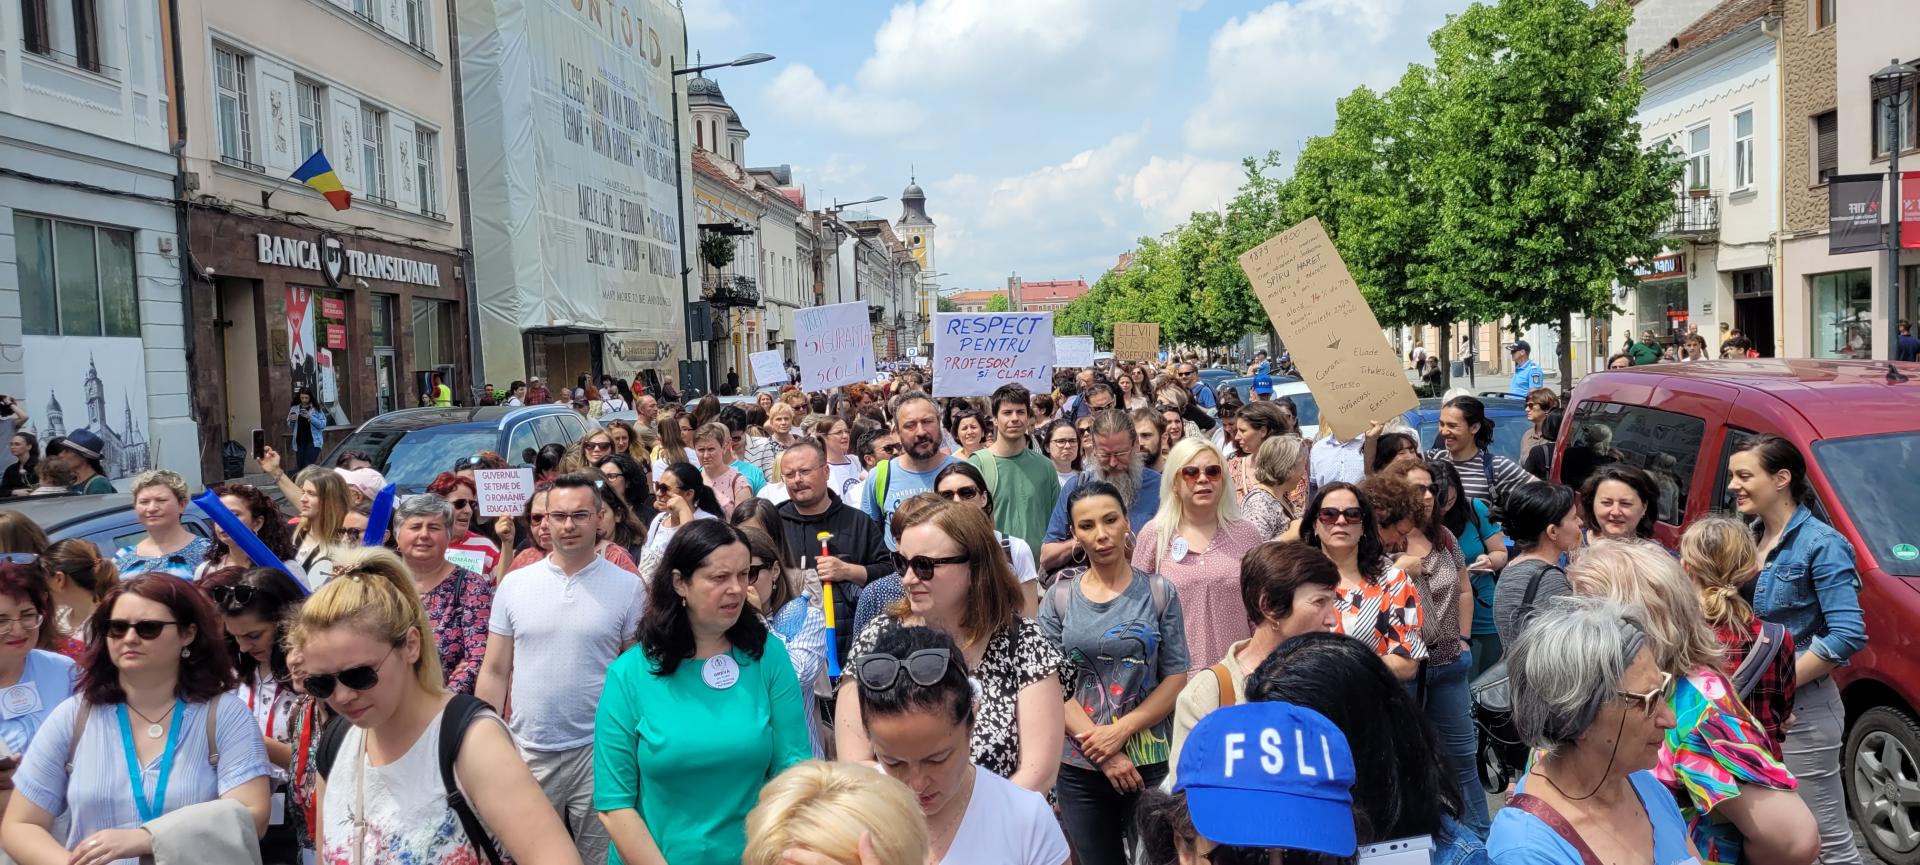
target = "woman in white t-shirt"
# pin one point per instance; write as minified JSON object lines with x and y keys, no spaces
{"x":843,"y":469}
{"x":916,"y":706}
{"x":681,"y":496}
{"x":963,"y":483}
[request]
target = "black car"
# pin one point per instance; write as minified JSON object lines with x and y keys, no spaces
{"x":412,"y":446}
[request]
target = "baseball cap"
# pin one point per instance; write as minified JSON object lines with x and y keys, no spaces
{"x":1244,"y":764}
{"x":81,"y":441}
{"x":1263,"y":384}
{"x":1520,"y":345}
{"x":369,"y":482}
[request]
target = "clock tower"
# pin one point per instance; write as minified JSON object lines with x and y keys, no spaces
{"x":915,"y":228}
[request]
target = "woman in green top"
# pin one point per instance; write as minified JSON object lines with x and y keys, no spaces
{"x":81,"y":452}
{"x":681,"y":741}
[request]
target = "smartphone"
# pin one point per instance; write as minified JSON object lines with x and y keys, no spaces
{"x":259,"y":444}
{"x":6,"y":406}
{"x":1417,"y":850}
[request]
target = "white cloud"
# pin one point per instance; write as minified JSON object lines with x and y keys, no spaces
{"x":800,"y":94}
{"x":1170,"y":190}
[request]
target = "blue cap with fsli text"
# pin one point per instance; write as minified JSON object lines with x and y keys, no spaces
{"x":1270,"y":775}
{"x":1263,"y":384}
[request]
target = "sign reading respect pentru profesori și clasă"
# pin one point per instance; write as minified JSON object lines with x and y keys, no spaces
{"x":976,"y":352}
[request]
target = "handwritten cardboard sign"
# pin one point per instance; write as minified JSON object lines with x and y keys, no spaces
{"x":1327,"y":325}
{"x":503,"y":491}
{"x":1073,"y":351}
{"x":976,"y":352}
{"x":769,"y":370}
{"x":835,"y":345}
{"x":1136,"y":342}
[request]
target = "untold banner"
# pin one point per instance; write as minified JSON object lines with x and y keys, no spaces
{"x":1853,"y":213}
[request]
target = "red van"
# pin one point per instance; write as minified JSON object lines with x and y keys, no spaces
{"x":1858,"y":422}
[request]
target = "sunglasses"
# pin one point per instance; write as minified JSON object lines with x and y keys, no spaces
{"x":598,"y":446}
{"x":19,"y":558}
{"x":880,"y":672}
{"x":923,"y":566}
{"x":461,"y":504}
{"x":232,"y":596}
{"x":148,"y":629}
{"x":1334,"y":516}
{"x":1651,"y":701}
{"x":664,"y":490}
{"x":322,"y":685}
{"x":1193,"y":473}
{"x":963,"y":494}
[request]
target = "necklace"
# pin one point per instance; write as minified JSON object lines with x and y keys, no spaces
{"x":154,"y":729}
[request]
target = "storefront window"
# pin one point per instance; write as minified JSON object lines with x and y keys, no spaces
{"x":1842,"y":323}
{"x":385,"y":371}
{"x":1662,"y":308}
{"x":432,"y":333}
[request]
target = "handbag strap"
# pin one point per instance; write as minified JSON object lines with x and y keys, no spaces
{"x":1540,"y":809}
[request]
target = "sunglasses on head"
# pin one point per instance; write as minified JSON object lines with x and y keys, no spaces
{"x":148,"y":629}
{"x":1193,"y":473}
{"x":20,"y":558}
{"x":322,"y":685}
{"x":964,"y":494}
{"x":880,"y":672}
{"x":1331,"y":516}
{"x":233,"y":596}
{"x":923,"y":566}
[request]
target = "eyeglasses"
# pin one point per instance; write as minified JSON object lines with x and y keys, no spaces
{"x":232,"y":596}
{"x":923,"y":566}
{"x":27,"y":622}
{"x":20,"y":558}
{"x":148,"y":629}
{"x":322,"y":685}
{"x":1334,"y":516}
{"x":1066,"y":442}
{"x":888,"y":449}
{"x":964,"y":494}
{"x":565,"y":517}
{"x":1651,"y":701}
{"x":1193,"y":473}
{"x":461,"y":504}
{"x":880,"y":672}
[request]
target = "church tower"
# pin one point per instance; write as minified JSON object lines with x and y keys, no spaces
{"x":716,"y":128}
{"x":915,"y":227}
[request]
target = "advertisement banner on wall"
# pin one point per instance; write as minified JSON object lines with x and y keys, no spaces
{"x":109,"y":399}
{"x":1910,"y":210}
{"x":570,"y":154}
{"x":313,"y":363}
{"x":1853,"y":213}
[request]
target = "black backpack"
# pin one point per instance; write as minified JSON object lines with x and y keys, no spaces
{"x":459,"y":714}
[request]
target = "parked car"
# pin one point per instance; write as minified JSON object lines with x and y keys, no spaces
{"x":1214,"y":377}
{"x":412,"y":446}
{"x":1243,"y":385}
{"x":1859,"y":424}
{"x":1509,"y":418}
{"x":108,"y":521}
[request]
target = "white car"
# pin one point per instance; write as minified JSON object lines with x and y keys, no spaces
{"x":1304,"y":407}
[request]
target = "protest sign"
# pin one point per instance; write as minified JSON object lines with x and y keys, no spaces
{"x":1073,"y":351}
{"x":835,"y":345}
{"x":1327,"y":326}
{"x":1136,"y":342}
{"x":769,"y":369}
{"x":977,"y":352}
{"x":503,"y":491}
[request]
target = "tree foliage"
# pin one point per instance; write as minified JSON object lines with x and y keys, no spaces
{"x":943,"y":303}
{"x":998,"y":303}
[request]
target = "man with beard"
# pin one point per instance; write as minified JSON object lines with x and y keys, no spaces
{"x":917,"y":422}
{"x":1116,"y":460}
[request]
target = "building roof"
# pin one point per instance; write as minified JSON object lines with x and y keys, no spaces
{"x":1125,"y":262}
{"x":1720,"y":22}
{"x":913,"y":205}
{"x":1056,"y":291}
{"x":966,"y":298}
{"x":700,"y":85}
{"x":707,"y":164}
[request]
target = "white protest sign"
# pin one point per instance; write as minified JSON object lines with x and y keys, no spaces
{"x":503,"y":491}
{"x":835,"y":344}
{"x":976,"y":352}
{"x":1073,"y":351}
{"x":769,"y":370}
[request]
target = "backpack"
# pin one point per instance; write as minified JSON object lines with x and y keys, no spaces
{"x":877,"y":488}
{"x":82,"y":710}
{"x":459,"y":714}
{"x":1766,"y":647}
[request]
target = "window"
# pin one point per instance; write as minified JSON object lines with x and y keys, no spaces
{"x":432,"y":334}
{"x":86,"y":35}
{"x":76,"y":279}
{"x":382,"y":309}
{"x":1842,"y":322}
{"x":1699,"y":158}
{"x":1743,"y":149}
{"x":1824,"y":12}
{"x":426,"y":171}
{"x":1664,"y":444}
{"x":339,"y":362}
{"x":418,"y":34}
{"x":368,"y":9}
{"x":1858,"y":470}
{"x":1901,"y":107}
{"x":1826,"y":146}
{"x":311,"y":99}
{"x":33,"y":27}
{"x":373,"y":153}
{"x":233,"y":112}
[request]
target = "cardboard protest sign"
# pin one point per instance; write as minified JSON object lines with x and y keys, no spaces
{"x":835,"y":345}
{"x":1328,"y":327}
{"x":1136,"y":342}
{"x":1073,"y":351}
{"x":976,"y":352}
{"x":503,"y":491}
{"x":769,"y":370}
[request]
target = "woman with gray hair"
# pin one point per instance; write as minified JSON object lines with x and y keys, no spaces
{"x":1589,"y":694}
{"x":458,"y":601}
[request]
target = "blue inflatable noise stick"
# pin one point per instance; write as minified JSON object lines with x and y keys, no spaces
{"x":378,"y":519}
{"x":242,"y":536}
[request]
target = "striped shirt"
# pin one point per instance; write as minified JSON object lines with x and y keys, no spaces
{"x":1507,"y":476}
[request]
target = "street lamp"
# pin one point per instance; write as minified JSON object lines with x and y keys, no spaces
{"x":1895,"y":78}
{"x":686,"y":266}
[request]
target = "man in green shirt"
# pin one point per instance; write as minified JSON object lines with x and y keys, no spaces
{"x":1022,"y":481}
{"x":81,"y":451}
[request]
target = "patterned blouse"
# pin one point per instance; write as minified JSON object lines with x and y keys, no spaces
{"x":179,"y":563}
{"x":1772,"y":698}
{"x":1384,"y":614}
{"x":1439,"y":586}
{"x":1268,"y":514}
{"x":459,"y":608}
{"x":1018,"y":656}
{"x":1209,"y":584}
{"x":1714,"y":747}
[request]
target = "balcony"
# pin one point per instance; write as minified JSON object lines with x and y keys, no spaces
{"x":874,"y":313}
{"x":724,"y":290}
{"x":1696,"y":216}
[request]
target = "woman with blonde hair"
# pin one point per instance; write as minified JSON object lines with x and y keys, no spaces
{"x":366,"y":648}
{"x":1717,"y":762}
{"x":1719,"y":554}
{"x":597,"y":444}
{"x":1197,"y":540}
{"x":625,"y":441}
{"x":159,"y":500}
{"x":819,"y":813}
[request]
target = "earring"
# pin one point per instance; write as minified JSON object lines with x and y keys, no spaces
{"x":186,"y":652}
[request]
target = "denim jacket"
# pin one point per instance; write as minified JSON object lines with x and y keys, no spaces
{"x":316,"y":418}
{"x":1457,"y":845}
{"x":1809,"y":584}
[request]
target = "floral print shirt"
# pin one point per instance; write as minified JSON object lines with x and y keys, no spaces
{"x":1383,"y":613}
{"x":459,"y":609}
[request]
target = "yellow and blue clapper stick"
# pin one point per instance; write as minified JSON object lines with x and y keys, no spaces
{"x":826,"y":607}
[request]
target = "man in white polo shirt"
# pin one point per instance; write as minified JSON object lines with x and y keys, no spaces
{"x":556,"y":625}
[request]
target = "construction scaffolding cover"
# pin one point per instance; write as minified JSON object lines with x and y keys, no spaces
{"x":571,"y":167}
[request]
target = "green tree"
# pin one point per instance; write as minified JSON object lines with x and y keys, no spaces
{"x":998,"y":303}
{"x":1544,"y":189}
{"x":943,"y":303}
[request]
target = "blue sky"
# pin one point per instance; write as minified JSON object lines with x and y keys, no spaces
{"x":1048,"y":134}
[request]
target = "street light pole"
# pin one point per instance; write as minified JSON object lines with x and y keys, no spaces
{"x":1897,"y":75}
{"x":840,"y":275}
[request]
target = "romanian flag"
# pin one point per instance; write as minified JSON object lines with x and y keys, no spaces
{"x":317,"y":172}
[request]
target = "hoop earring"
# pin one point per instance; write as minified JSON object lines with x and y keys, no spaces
{"x":186,"y":652}
{"x":1130,"y":539}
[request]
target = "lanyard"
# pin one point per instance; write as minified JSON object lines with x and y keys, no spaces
{"x":273,"y":706}
{"x":151,"y":809}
